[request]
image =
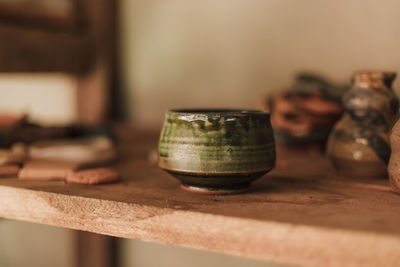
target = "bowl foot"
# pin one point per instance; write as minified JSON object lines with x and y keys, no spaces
{"x":214,"y":190}
{"x":215,"y":184}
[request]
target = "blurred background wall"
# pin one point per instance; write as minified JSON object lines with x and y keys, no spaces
{"x":139,"y":253}
{"x":48,"y":98}
{"x":34,"y":245}
{"x":230,"y":53}
{"x":226,"y":53}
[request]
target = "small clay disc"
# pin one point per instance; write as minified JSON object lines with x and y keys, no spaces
{"x":93,"y":176}
{"x":42,"y":170}
{"x":85,"y":151}
{"x":9,"y":170}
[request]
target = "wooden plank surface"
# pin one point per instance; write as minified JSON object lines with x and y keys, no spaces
{"x":300,"y":214}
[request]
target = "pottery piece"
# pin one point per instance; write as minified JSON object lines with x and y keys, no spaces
{"x":22,"y":130}
{"x":306,"y":112}
{"x":394,"y":162}
{"x":86,"y":151}
{"x":359,"y":143}
{"x":216,"y":151}
{"x":17,"y":154}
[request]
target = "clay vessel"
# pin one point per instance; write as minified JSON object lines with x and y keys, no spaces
{"x":359,"y":142}
{"x":216,"y":151}
{"x":303,"y":115}
{"x":394,"y":162}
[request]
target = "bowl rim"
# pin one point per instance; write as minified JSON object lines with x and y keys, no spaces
{"x":207,"y":111}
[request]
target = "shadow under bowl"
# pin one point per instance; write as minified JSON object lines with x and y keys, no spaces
{"x":215,"y":184}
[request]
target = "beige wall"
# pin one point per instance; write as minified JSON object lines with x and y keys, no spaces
{"x":47,"y":98}
{"x":136,"y":253}
{"x":230,"y":53}
{"x":27,"y":244}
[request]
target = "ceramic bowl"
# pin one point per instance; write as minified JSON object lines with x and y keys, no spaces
{"x":216,"y":151}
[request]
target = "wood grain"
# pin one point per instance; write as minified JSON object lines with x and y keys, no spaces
{"x":300,"y":214}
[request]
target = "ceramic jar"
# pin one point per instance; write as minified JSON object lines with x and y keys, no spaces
{"x":359,"y":142}
{"x":394,"y":163}
{"x":304,"y":114}
{"x":216,"y":151}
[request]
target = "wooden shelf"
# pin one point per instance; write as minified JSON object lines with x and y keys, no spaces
{"x":300,"y":214}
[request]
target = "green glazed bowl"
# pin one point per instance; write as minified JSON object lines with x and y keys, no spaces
{"x":216,"y":151}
